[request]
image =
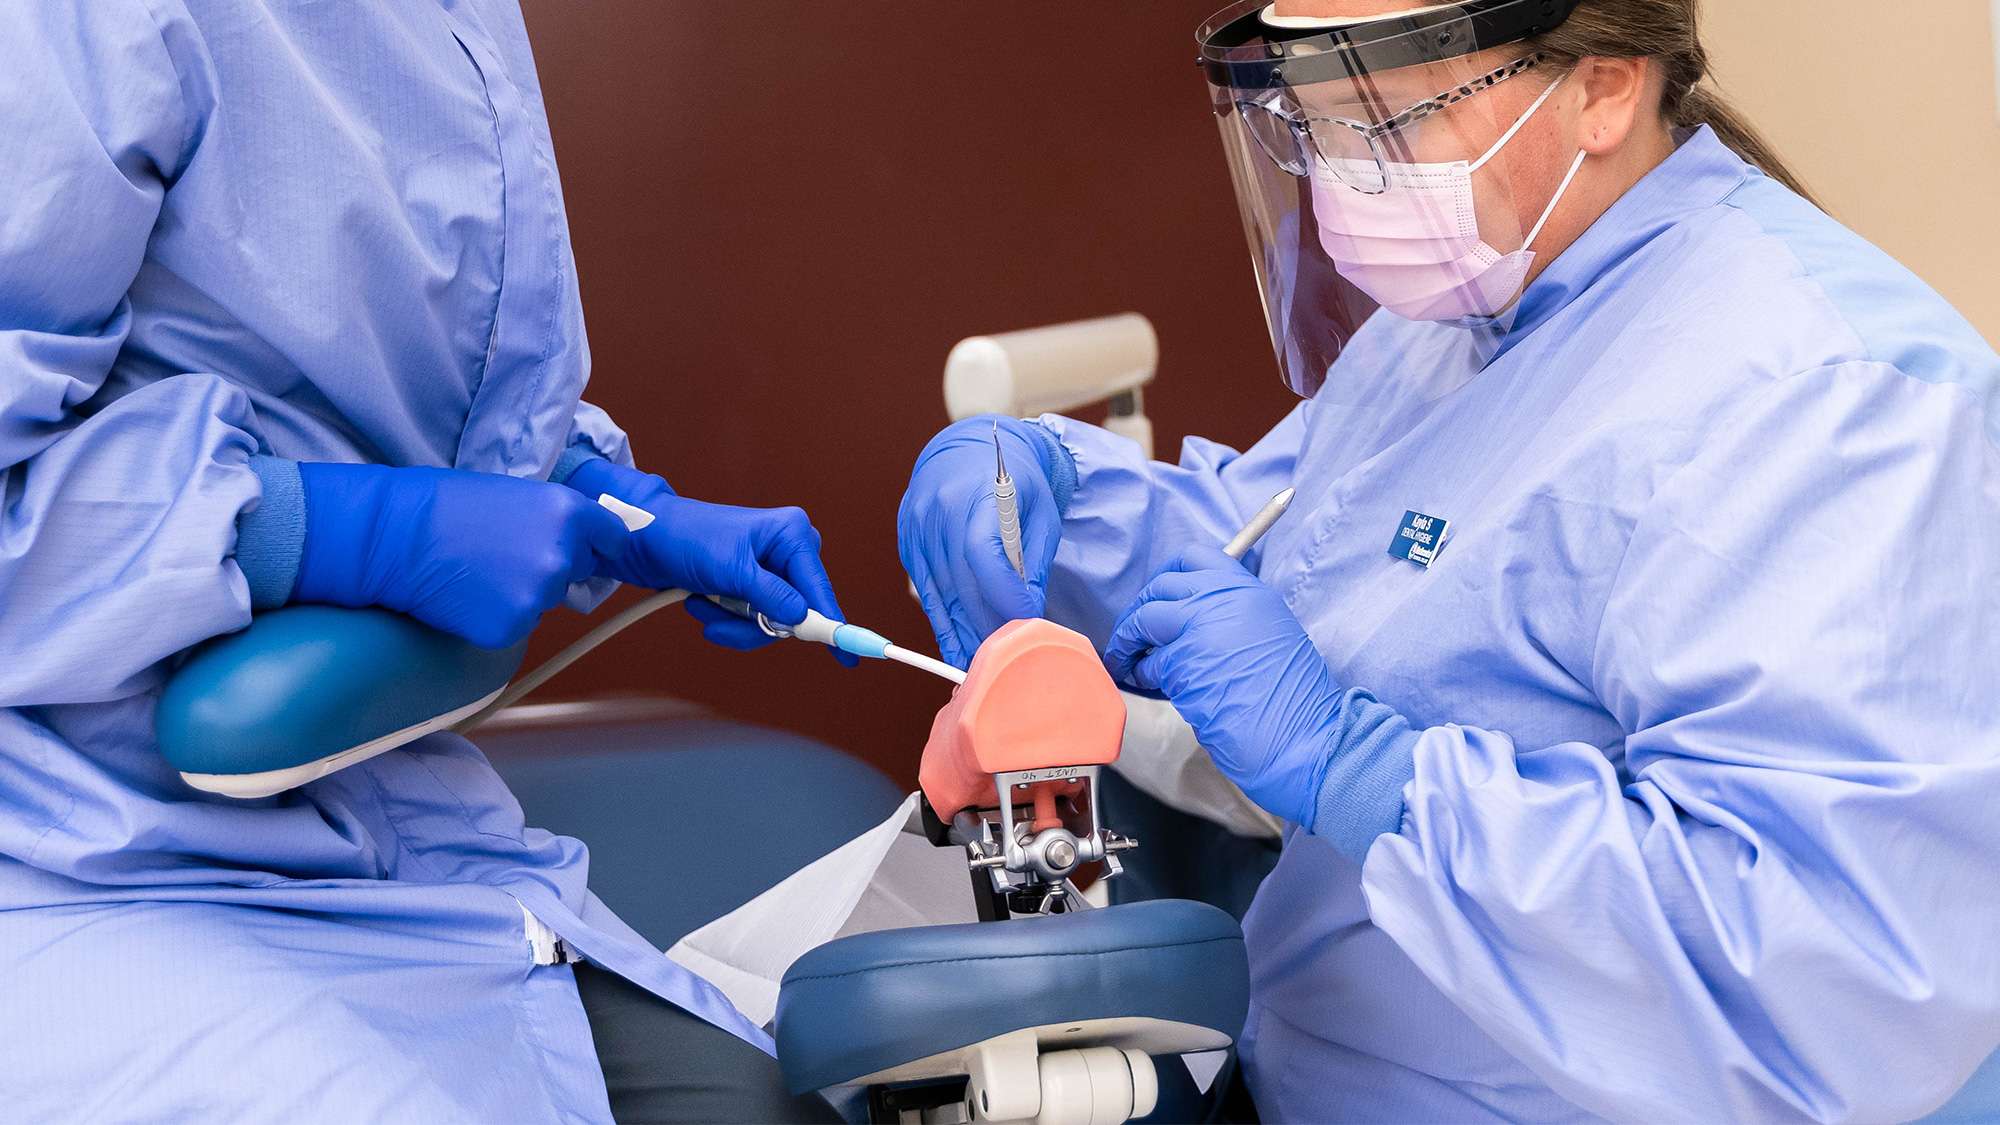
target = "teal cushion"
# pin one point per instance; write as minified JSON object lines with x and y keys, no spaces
{"x":307,"y":681}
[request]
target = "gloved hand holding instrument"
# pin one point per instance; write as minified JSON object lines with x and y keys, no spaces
{"x":1229,"y":654}
{"x":306,"y":691}
{"x":948,"y":531}
{"x":1206,"y":633}
{"x":766,"y":557}
{"x":483,"y":556}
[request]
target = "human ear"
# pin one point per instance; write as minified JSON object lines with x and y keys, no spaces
{"x":1615,"y":92}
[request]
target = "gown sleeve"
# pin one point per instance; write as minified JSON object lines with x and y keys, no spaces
{"x":117,"y":512}
{"x":1129,"y":515}
{"x":1779,"y":905}
{"x":595,"y":434}
{"x":592,"y":434}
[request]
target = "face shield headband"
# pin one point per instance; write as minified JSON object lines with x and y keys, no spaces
{"x":1246,"y":47}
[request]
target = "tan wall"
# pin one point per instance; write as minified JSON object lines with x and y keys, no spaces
{"x":1890,"y":114}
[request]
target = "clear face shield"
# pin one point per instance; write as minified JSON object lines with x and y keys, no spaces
{"x":1356,"y":148}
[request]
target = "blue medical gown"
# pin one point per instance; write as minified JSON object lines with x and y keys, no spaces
{"x":321,"y":231}
{"x":1705,"y":818}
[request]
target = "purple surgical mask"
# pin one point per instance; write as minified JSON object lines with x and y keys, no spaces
{"x":1415,"y":248}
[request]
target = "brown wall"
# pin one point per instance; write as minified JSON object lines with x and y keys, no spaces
{"x":786,"y":213}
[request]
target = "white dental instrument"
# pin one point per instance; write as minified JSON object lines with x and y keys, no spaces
{"x":1259,"y":524}
{"x":816,"y":627}
{"x":840,"y":635}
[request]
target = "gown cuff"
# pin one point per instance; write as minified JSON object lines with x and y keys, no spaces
{"x":1361,"y":793}
{"x":571,"y":460}
{"x":1057,"y":464}
{"x":271,"y":537}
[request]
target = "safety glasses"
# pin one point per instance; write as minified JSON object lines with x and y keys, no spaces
{"x":1354,"y":153}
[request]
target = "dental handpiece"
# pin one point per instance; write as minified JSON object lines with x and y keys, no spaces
{"x":838,"y":634}
{"x":1010,"y":513}
{"x":816,"y":627}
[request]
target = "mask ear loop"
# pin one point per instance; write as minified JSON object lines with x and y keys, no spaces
{"x":1528,"y":246}
{"x":1518,"y":125}
{"x":1574,"y":167}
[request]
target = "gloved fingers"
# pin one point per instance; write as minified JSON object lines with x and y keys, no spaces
{"x":1203,"y":556}
{"x":1041,"y":535}
{"x":1167,"y":586}
{"x":933,"y":607}
{"x":914,"y":547}
{"x":1152,"y":625}
{"x":604,"y":535}
{"x":982,"y":582}
{"x":965,"y":432}
{"x":708,"y":613}
{"x":1004,"y":594}
{"x":722,"y":627}
{"x":966,"y":637}
{"x":488,"y":630}
{"x":959,"y":631}
{"x":1149,"y":673}
{"x":582,"y":565}
{"x":806,"y":572}
{"x":771,"y":596}
{"x":582,"y":561}
{"x":786,"y":546}
{"x":971,"y":618}
{"x":941,"y":625}
{"x":739,"y":635}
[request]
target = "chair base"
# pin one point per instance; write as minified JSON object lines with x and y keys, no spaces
{"x":1087,"y":1072}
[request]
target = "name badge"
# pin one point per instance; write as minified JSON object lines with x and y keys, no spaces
{"x":1419,"y":539}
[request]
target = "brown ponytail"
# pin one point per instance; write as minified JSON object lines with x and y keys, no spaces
{"x":1668,"y":31}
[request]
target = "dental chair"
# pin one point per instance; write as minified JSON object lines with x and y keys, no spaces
{"x":1061,"y":1014}
{"x":1045,"y":1011}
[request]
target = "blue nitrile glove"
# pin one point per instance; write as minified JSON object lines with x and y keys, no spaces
{"x":768,"y":557}
{"x":948,"y":529}
{"x":1228,"y":653}
{"x":478,"y":555}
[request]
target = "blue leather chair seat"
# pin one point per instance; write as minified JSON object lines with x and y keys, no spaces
{"x":690,"y":816}
{"x":872,"y":1001}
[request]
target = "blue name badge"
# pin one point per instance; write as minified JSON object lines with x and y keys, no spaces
{"x":1419,"y":539}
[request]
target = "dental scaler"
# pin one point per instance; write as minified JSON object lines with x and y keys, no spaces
{"x":1004,"y":498}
